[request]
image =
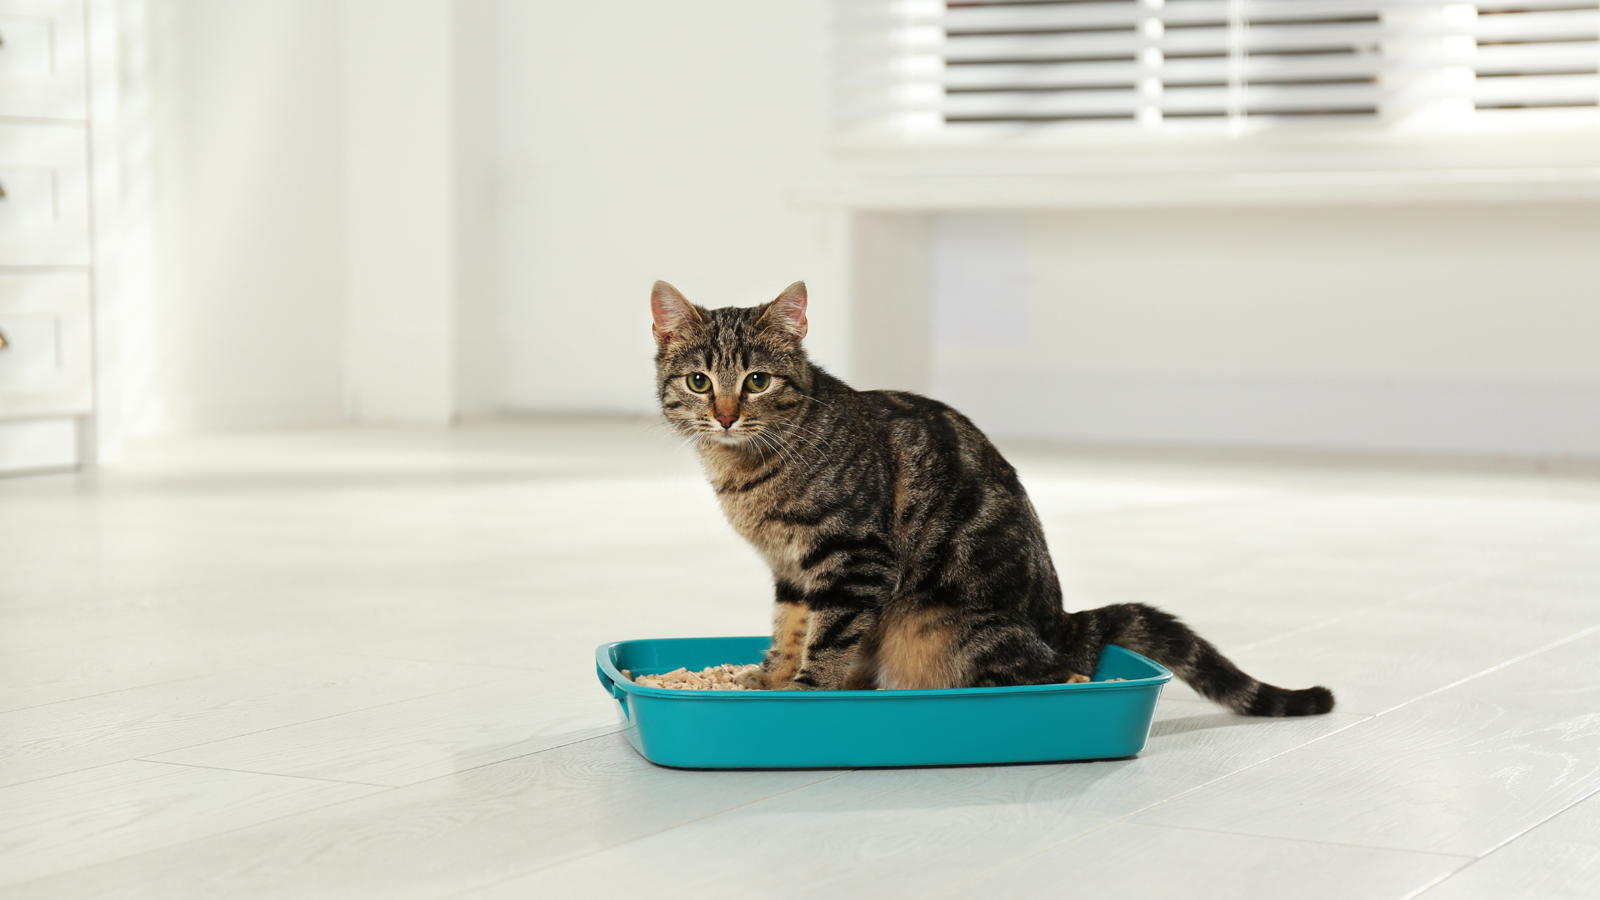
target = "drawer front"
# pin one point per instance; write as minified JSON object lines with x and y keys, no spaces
{"x":44,"y":215}
{"x":45,"y":366}
{"x":38,"y":445}
{"x":42,"y":71}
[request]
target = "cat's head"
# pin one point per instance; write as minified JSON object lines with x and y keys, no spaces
{"x":735,"y":375}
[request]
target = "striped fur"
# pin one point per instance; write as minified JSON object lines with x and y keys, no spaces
{"x":904,"y":550}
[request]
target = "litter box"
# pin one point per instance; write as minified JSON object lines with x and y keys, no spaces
{"x":1034,"y":723}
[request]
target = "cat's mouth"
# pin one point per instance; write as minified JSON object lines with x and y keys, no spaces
{"x":740,"y":435}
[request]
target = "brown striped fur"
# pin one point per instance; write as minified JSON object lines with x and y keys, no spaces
{"x":904,"y":550}
{"x":790,"y":625}
{"x":916,"y":649}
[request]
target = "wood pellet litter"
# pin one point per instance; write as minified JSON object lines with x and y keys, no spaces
{"x":716,"y":678}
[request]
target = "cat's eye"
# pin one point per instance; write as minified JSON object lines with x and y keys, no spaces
{"x":698,"y":382}
{"x":756,"y":382}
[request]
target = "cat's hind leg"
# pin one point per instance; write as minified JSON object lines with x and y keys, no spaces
{"x":938,"y":647}
{"x":1008,"y":653}
{"x":917,"y":649}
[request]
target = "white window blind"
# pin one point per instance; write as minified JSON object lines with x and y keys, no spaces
{"x":920,"y":66}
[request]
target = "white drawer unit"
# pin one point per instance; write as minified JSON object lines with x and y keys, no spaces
{"x":42,"y":59}
{"x":46,"y":343}
{"x":45,"y":365}
{"x":44,"y":213}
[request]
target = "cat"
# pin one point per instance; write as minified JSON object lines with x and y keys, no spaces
{"x":904,"y":551}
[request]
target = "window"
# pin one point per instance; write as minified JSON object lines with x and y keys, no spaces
{"x":920,"y":69}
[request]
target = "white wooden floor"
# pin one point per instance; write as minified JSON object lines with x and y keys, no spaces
{"x":359,"y":663}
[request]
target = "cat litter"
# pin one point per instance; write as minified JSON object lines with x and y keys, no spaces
{"x":714,"y":678}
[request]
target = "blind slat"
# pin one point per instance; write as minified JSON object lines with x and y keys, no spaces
{"x":1033,"y":60}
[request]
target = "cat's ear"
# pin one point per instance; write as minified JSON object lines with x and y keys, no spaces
{"x":788,"y":311}
{"x":672,"y":311}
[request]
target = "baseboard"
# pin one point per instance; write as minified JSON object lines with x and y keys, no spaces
{"x":1525,"y":419}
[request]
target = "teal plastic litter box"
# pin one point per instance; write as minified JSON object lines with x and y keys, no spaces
{"x":1098,"y":719}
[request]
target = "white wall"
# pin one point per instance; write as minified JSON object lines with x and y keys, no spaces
{"x":475,"y":120}
{"x":232,"y":160}
{"x":399,"y":202}
{"x":655,"y":140}
{"x":1462,"y":327}
{"x":309,"y":218}
{"x":422,"y":304}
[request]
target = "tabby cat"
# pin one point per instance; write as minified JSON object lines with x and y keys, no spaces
{"x":903,"y":547}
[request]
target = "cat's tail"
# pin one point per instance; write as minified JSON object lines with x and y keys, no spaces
{"x":1161,"y":637}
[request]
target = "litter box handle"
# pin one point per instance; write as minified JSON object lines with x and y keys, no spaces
{"x":608,"y":684}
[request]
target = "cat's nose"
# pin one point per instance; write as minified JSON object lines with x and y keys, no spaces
{"x":727,"y":421}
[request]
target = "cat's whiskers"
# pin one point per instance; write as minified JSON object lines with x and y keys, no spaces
{"x":811,"y":398}
{"x":786,"y":442}
{"x":755,"y":428}
{"x":758,"y":445}
{"x":664,"y":429}
{"x":685,"y":438}
{"x":811,"y":434}
{"x":810,"y":442}
{"x":760,"y":442}
{"x":772,"y":441}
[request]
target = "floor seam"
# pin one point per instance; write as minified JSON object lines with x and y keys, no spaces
{"x":1495,"y":668}
{"x":521,"y":670}
{"x":497,"y":762}
{"x":1269,"y":837}
{"x":163,"y":762}
{"x":1423,"y":889}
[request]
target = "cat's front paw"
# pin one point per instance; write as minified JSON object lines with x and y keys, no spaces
{"x":1075,"y":678}
{"x":753,"y":680}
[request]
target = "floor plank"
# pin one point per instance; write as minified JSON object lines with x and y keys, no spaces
{"x":415,"y":740}
{"x":1460,"y":772}
{"x":64,"y":737}
{"x":1151,"y":861}
{"x":236,"y":629}
{"x":1386,"y":654}
{"x":138,"y":807}
{"x":1559,"y":860}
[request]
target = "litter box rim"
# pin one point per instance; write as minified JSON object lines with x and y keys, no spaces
{"x":617,"y":684}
